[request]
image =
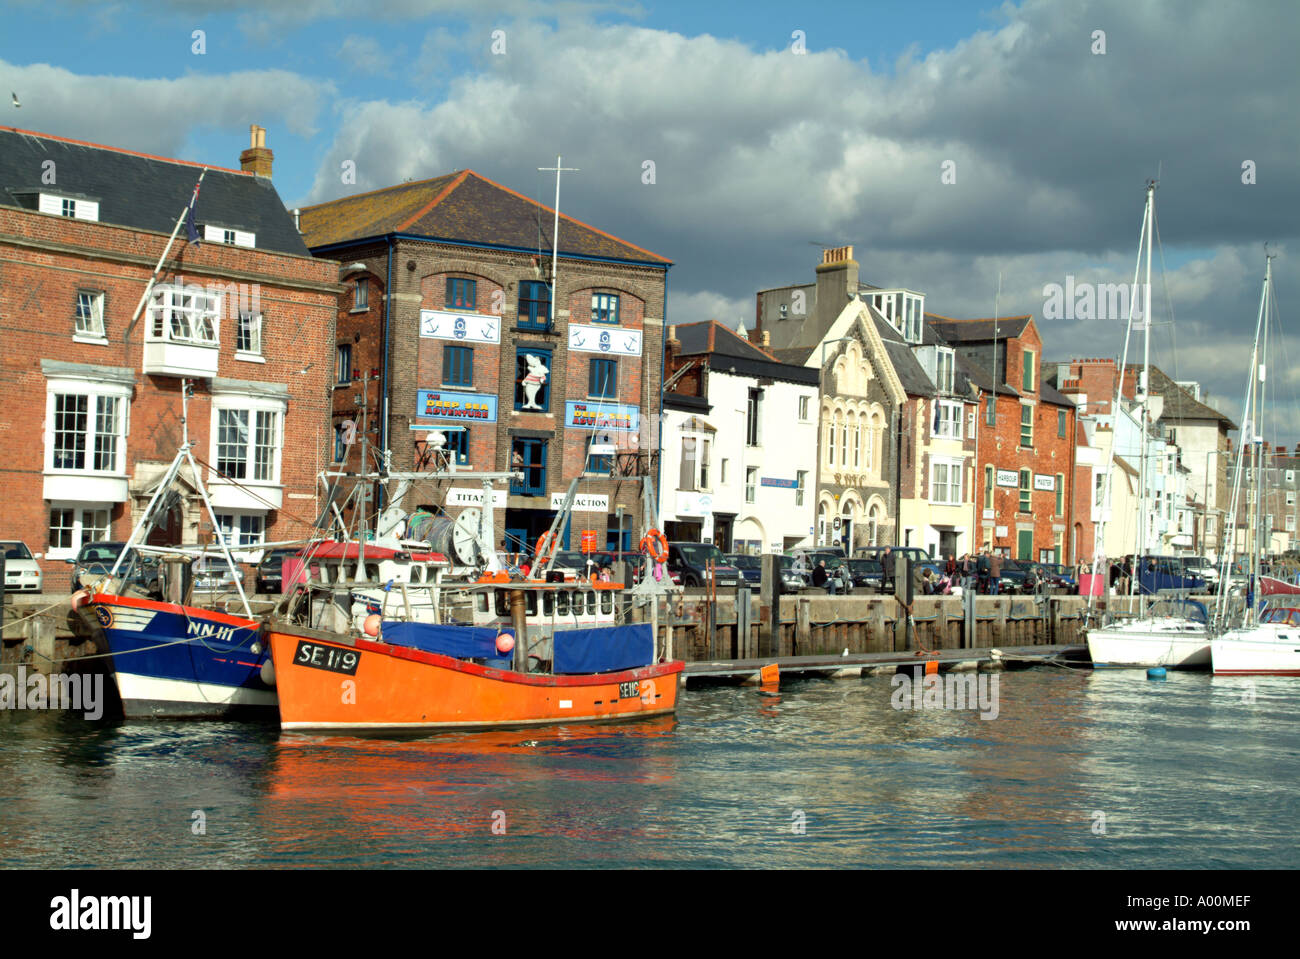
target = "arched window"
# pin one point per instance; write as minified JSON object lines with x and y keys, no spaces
{"x":857,"y":442}
{"x":844,"y":442}
{"x":821,"y":523}
{"x":828,"y":443}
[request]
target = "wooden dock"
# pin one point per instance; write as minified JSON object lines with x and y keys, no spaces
{"x":749,"y":671}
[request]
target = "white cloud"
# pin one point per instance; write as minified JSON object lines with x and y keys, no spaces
{"x":158,"y":115}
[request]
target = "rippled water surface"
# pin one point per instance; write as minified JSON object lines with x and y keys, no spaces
{"x":1078,"y":769}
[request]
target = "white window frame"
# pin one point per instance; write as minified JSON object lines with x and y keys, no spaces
{"x":803,"y":408}
{"x":252,"y":405}
{"x":200,"y":316}
{"x":360,"y":296}
{"x":96,"y":334}
{"x":228,"y":236}
{"x":949,"y":413}
{"x":79,"y":509}
{"x":93,"y":391}
{"x":245,"y":544}
{"x":57,"y":205}
{"x":800,"y":484}
{"x":951,"y":483}
{"x":1290,"y":523}
{"x":945,"y":378}
{"x":252,"y":351}
{"x":751,"y":483}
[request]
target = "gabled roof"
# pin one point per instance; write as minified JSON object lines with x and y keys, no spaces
{"x":143,"y":192}
{"x":980,"y":376}
{"x":1178,"y":403}
{"x":795,"y":355}
{"x":710,"y":336}
{"x":465,"y":207}
{"x":977,"y":331}
{"x":910,"y":372}
{"x":729,"y":352}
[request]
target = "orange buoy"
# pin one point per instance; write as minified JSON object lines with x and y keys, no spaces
{"x":931,"y":667}
{"x":770,"y":675}
{"x":656,"y":544}
{"x":505,"y":642}
{"x":80,"y":598}
{"x":371,"y":625}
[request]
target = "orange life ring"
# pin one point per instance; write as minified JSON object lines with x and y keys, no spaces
{"x":656,"y":544}
{"x":544,"y":549}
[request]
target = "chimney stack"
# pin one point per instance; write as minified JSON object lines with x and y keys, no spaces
{"x":257,"y":158}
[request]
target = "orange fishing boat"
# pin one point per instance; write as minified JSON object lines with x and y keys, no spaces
{"x":575,"y":663}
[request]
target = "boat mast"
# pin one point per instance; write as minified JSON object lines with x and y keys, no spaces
{"x":1143,"y":395}
{"x":1261,"y":463}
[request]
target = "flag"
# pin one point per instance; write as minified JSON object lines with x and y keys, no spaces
{"x":190,"y":226}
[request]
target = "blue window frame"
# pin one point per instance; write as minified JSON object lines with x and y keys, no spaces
{"x":460,"y":293}
{"x":602,"y":380}
{"x":534,"y":305}
{"x":601,"y":463}
{"x":529,"y":374}
{"x":529,"y":457}
{"x":458,"y":446}
{"x":457,"y":366}
{"x":340,"y":448}
{"x":604,"y":308}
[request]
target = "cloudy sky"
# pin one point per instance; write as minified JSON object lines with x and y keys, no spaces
{"x":948,"y":142}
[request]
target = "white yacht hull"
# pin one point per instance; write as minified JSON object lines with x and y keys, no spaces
{"x":1172,"y":643}
{"x":1265,"y":650}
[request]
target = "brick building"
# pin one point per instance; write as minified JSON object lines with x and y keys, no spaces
{"x":1025,"y":447}
{"x":449,"y":298}
{"x":93,"y":401}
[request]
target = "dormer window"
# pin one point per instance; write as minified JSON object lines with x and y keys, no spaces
{"x":228,"y":236}
{"x":70,"y":207}
{"x":945,"y":374}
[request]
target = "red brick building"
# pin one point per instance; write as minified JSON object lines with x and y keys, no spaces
{"x":1025,"y":445}
{"x":93,"y":401}
{"x":449,"y":298}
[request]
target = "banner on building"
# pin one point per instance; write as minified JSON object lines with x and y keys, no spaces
{"x":1008,"y":478}
{"x":460,"y":496}
{"x":594,"y":339}
{"x":583,"y":502}
{"x":1044,"y":482}
{"x":440,"y":404}
{"x":589,"y":415}
{"x":469,"y":327}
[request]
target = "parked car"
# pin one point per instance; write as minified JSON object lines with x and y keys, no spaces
{"x":22,"y":572}
{"x":1058,"y":577}
{"x":269,"y":575}
{"x":1160,"y":573}
{"x":866,"y":573}
{"x":213,"y":574}
{"x":94,"y":561}
{"x":751,"y":568}
{"x":791,"y":579}
{"x":691,"y":561}
{"x":1013,"y":576}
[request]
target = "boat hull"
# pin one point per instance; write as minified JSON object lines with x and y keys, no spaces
{"x":182,"y":662}
{"x":1173,"y":647}
{"x":1272,"y":586}
{"x":1257,"y":653}
{"x":332,"y":683}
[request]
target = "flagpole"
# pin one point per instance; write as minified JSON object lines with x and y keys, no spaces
{"x":167,"y":249}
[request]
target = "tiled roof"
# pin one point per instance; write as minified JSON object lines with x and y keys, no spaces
{"x":1178,"y":403}
{"x":710,"y":336}
{"x":464,"y":206}
{"x":977,"y":331}
{"x":795,"y":355}
{"x":144,"y":192}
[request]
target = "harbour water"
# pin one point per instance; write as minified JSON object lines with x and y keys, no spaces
{"x":1079,"y":769}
